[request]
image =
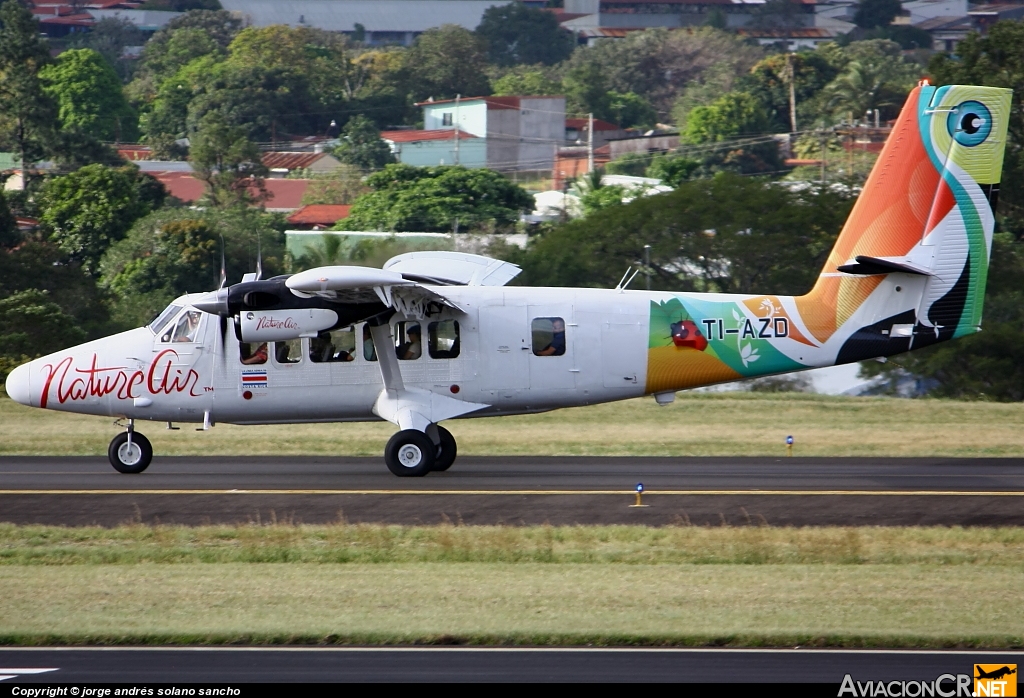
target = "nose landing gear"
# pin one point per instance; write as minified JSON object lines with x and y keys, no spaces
{"x":130,"y":452}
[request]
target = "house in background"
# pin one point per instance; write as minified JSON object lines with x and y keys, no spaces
{"x":604,"y":131}
{"x":521,"y":133}
{"x":318,"y":216}
{"x":283,"y":163}
{"x":443,"y":146}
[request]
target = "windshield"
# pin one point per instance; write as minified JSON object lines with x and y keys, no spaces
{"x":163,"y":318}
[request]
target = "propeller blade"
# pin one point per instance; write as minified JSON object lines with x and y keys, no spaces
{"x":259,"y":258}
{"x":223,"y":265}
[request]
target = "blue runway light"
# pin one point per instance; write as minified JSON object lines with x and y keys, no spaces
{"x":789,"y":440}
{"x":639,"y":487}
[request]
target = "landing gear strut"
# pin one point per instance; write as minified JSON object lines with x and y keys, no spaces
{"x":130,"y":452}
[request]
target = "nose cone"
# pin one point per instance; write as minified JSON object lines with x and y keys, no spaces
{"x":18,"y":385}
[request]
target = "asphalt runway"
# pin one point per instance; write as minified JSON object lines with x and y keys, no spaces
{"x":241,"y":666}
{"x":518,"y":490}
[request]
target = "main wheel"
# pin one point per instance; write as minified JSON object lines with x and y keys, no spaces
{"x":446,"y":451}
{"x":132,"y":458}
{"x":410,"y":453}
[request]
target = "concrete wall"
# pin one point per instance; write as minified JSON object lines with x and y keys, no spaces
{"x":472,"y":153}
{"x":643,"y":144}
{"x":542,"y":129}
{"x":503,"y":133}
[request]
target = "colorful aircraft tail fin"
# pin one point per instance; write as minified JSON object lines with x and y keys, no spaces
{"x":911,"y":262}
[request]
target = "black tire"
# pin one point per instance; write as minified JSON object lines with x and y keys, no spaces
{"x":130,"y":461}
{"x":446,"y":452}
{"x":410,"y":453}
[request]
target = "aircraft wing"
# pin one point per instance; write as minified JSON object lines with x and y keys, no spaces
{"x":348,"y":284}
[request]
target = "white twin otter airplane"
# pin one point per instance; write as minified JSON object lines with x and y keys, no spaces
{"x":435,"y":336}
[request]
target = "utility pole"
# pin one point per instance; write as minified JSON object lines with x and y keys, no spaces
{"x":792,"y":93}
{"x":457,"y":129}
{"x":590,"y":143}
{"x":647,"y":263}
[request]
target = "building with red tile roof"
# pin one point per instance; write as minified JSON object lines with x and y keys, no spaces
{"x":319,"y":216}
{"x":285,"y":195}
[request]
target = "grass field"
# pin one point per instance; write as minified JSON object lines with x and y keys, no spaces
{"x":697,"y":424}
{"x":918,"y":587}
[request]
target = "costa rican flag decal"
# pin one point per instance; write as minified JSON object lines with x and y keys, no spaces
{"x":254,"y":378}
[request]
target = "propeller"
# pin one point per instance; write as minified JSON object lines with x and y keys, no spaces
{"x":259,"y":257}
{"x":223,"y":265}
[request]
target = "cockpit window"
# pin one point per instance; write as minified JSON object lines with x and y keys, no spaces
{"x":157,"y":326}
{"x":185,"y":330}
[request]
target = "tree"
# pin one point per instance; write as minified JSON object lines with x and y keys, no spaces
{"x":672,"y":170}
{"x":195,"y":34}
{"x":342,"y":186}
{"x":27,"y":114}
{"x":517,"y":34}
{"x":176,"y":251}
{"x":876,"y":13}
{"x":526,"y":82}
{"x":227,"y":162}
{"x":361,"y":145}
{"x":768,"y":81}
{"x":657,"y":64}
{"x":88,"y":96}
{"x":32,"y":325}
{"x":730,"y":116}
{"x":870,"y":84}
{"x":437,"y":199}
{"x":88,"y":210}
{"x":447,"y":61}
{"x":630,"y":110}
{"x":109,"y":37}
{"x":729,"y":233}
{"x":9,"y":235}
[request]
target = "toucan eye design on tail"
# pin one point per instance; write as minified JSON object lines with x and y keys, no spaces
{"x":970,"y":123}
{"x":686,"y":334}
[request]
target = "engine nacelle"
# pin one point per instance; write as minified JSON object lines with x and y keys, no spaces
{"x":282,"y":325}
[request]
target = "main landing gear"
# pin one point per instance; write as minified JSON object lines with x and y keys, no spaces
{"x":412,"y":453}
{"x":130,"y":452}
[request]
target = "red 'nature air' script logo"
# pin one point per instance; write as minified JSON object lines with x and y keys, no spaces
{"x":275,"y":324}
{"x":162,"y":378}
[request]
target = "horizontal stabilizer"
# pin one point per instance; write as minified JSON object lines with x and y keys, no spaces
{"x":871,"y":266}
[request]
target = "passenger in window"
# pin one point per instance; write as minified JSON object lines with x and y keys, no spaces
{"x":257,"y":357}
{"x":557,"y":345}
{"x":369,"y":351}
{"x":320,"y":348}
{"x":413,"y":346}
{"x":282,"y":353}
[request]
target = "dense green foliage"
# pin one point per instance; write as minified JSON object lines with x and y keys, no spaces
{"x":517,"y":34}
{"x":437,"y":199}
{"x":88,"y":95}
{"x":361,"y":145}
{"x":728,"y":233}
{"x":89,"y":209}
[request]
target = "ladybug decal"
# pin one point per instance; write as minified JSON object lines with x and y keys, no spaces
{"x":686,"y":334}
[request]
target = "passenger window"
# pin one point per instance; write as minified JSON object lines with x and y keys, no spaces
{"x":339,"y":345}
{"x":251,"y":353}
{"x":289,"y":352}
{"x":548,"y":336}
{"x":186,"y":328}
{"x":369,"y":351}
{"x":408,"y":341}
{"x":443,"y":339}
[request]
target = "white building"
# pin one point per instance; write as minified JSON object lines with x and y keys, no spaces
{"x":521,"y":133}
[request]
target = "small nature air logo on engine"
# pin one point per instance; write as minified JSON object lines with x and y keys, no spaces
{"x":995,"y":680}
{"x":267,"y":322}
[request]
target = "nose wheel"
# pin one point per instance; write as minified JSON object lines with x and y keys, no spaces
{"x":130,"y":452}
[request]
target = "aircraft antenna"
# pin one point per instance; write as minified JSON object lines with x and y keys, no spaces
{"x":624,"y":282}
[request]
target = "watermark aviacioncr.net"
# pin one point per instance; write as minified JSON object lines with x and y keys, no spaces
{"x":989,"y":681}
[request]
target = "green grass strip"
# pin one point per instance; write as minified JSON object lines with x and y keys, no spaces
{"x":598,"y":545}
